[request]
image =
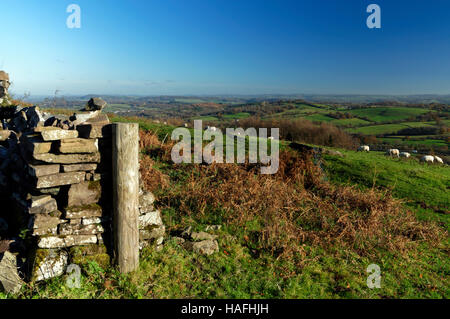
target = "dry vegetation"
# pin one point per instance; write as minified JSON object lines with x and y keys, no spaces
{"x":281,"y":213}
{"x":305,"y":131}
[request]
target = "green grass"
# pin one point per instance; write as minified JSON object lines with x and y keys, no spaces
{"x":205,"y":118}
{"x":418,"y":184}
{"x":318,"y":117}
{"x":384,"y":114}
{"x":301,"y":110}
{"x":235,"y":273}
{"x":241,"y":115}
{"x":352,"y":121}
{"x":414,"y":142}
{"x":386,"y":128}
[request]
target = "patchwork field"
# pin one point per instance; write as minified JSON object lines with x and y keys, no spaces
{"x":385,"y":114}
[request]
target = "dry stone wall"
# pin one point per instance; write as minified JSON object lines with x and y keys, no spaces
{"x":56,"y":178}
{"x":58,"y":181}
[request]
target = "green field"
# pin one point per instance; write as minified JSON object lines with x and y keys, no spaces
{"x":205,"y":118}
{"x":353,"y":121}
{"x":241,"y":115}
{"x":386,"y":128}
{"x":318,"y":117}
{"x":414,"y":142}
{"x":385,"y":114}
{"x":408,"y":179}
{"x":301,"y":110}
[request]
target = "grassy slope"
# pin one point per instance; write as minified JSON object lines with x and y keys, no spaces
{"x":418,"y":184}
{"x":235,"y":272}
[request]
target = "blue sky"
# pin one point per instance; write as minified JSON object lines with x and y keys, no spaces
{"x":226,"y":47}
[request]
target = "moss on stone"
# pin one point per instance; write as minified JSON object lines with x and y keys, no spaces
{"x":39,"y":256}
{"x":94,"y":185}
{"x":82,"y":255}
{"x":103,"y":260}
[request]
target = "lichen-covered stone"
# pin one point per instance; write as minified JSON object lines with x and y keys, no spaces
{"x":79,"y":240}
{"x":68,"y":158}
{"x":51,"y":242}
{"x":67,"y":229}
{"x":45,"y":231}
{"x":152,"y":218}
{"x":91,"y":221}
{"x":152,"y":232}
{"x":83,"y":211}
{"x":49,"y":264}
{"x":57,"y":134}
{"x":146,"y":201}
{"x":205,"y":247}
{"x":66,"y":241}
{"x":60,"y":179}
{"x":200,"y":236}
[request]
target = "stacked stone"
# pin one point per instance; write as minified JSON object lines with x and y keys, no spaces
{"x":59,"y":180}
{"x":4,"y":85}
{"x":151,"y":227}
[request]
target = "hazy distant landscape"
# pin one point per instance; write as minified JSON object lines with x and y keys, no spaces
{"x":411,"y":122}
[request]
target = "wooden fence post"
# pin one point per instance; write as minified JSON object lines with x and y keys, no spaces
{"x":126,"y":195}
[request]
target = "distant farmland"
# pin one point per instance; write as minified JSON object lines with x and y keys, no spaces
{"x":386,"y":114}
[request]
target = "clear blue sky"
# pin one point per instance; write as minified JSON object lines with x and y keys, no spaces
{"x":226,"y":47}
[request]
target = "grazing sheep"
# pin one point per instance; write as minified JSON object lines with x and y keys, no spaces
{"x":271,"y":138}
{"x":393,"y":152}
{"x":211,"y":128}
{"x":405,"y":155}
{"x":427,"y":159}
{"x":364,"y":148}
{"x":438,"y":160}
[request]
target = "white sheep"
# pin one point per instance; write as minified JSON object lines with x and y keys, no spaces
{"x":438,"y":160}
{"x":405,"y":155}
{"x":364,"y":148}
{"x":393,"y":152}
{"x":427,"y":159}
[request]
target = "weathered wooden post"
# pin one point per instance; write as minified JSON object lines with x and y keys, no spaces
{"x":126,"y":195}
